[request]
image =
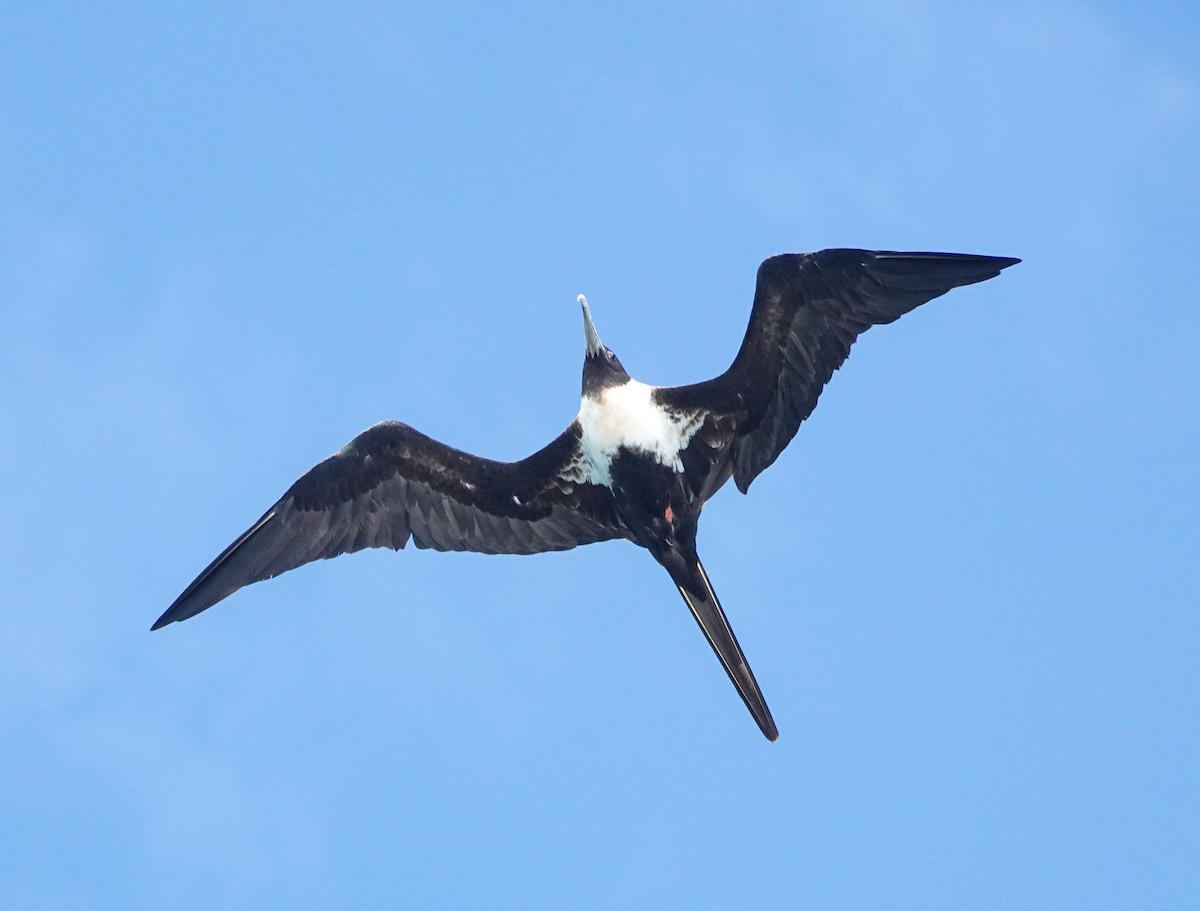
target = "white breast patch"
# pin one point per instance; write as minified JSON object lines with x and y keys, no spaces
{"x":627,"y":416}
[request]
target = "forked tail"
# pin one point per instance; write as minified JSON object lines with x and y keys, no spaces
{"x":708,"y":613}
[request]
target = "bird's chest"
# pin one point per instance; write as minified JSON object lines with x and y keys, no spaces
{"x":626,"y":420}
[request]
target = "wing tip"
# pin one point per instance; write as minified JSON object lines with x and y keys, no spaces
{"x":1000,"y":263}
{"x":176,"y":612}
{"x":978,"y":260}
{"x":199,"y":596}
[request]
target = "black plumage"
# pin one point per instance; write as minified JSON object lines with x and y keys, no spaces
{"x":601,"y":478}
{"x":392,"y":483}
{"x":809,"y":308}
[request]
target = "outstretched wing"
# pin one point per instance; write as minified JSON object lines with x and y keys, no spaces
{"x":392,"y":483}
{"x":808,"y":310}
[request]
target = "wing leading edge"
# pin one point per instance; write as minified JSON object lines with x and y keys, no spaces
{"x":391,"y":484}
{"x":809,"y":308}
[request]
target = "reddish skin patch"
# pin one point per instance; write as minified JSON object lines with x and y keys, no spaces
{"x":669,"y":515}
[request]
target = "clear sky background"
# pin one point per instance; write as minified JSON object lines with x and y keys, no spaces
{"x":231,"y":238}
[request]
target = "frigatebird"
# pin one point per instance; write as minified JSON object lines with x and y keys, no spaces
{"x":639,"y":462}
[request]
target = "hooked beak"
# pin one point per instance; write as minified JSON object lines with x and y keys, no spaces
{"x":590,"y":335}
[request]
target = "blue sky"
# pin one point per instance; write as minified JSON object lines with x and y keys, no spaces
{"x":232,"y":238}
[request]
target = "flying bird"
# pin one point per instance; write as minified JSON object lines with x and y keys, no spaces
{"x":638,"y":462}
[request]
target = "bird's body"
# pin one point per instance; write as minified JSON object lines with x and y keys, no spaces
{"x":639,"y":462}
{"x":629,"y":417}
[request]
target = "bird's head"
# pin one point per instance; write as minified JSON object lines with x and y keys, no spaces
{"x":601,"y":368}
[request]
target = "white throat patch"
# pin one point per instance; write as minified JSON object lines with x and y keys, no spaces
{"x":626,"y":416}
